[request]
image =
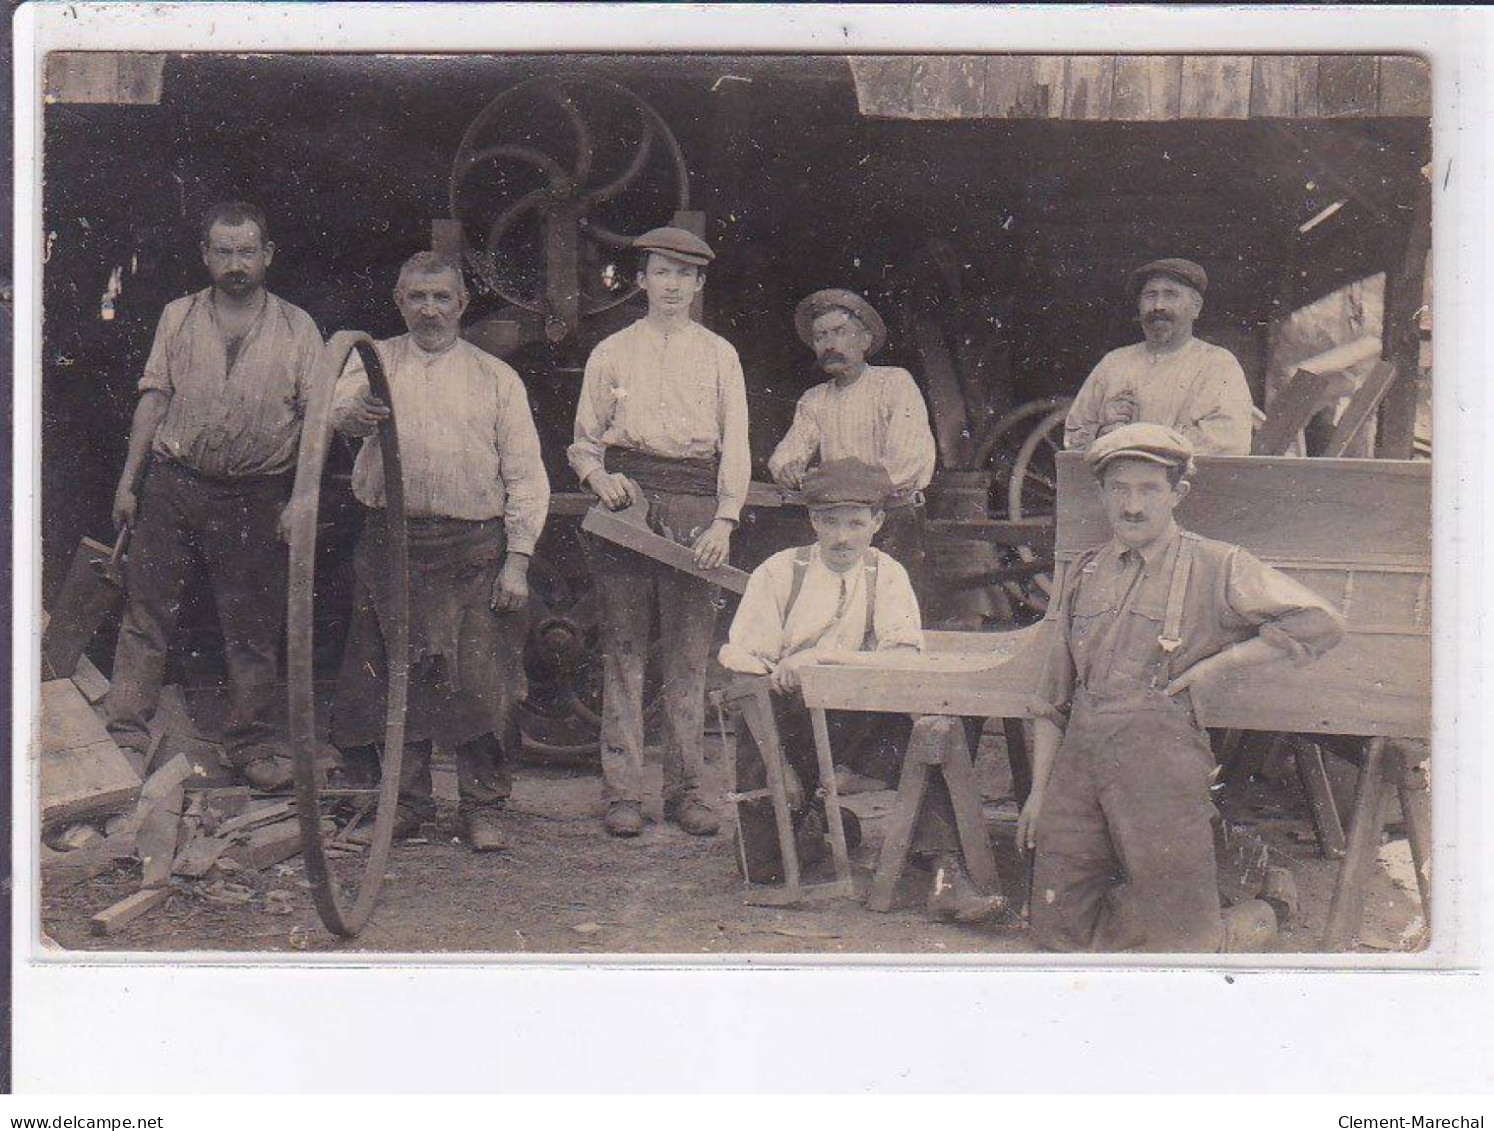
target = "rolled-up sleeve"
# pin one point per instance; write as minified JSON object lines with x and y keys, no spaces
{"x":799,"y":443}
{"x":735,"y":471}
{"x":1055,"y":689}
{"x":526,"y":485}
{"x":1290,"y":616}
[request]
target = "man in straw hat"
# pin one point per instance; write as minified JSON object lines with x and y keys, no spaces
{"x":1170,"y":377}
{"x":1121,"y":768}
{"x":662,"y":417}
{"x":873,"y":413}
{"x":838,"y":595}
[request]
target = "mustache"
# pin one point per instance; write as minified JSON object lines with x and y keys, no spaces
{"x":1157,"y":316}
{"x":832,"y":355}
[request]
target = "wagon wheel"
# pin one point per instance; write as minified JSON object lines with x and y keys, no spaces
{"x":1026,"y":481}
{"x":526,"y":177}
{"x":316,"y":434}
{"x":560,"y":720}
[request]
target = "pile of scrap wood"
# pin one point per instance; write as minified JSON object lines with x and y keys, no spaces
{"x":183,"y":823}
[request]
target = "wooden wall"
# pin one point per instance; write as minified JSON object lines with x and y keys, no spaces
{"x":1142,"y":88}
{"x":105,"y":77}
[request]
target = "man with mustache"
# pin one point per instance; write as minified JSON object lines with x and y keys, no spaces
{"x":477,"y":496}
{"x":1171,"y":377}
{"x":662,"y":417}
{"x":873,"y":413}
{"x":1119,"y":811}
{"x":219,"y":424}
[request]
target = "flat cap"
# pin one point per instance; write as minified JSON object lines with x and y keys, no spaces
{"x":836,"y":299}
{"x":1155,"y":442}
{"x":1185,"y":271}
{"x":676,"y":243}
{"x":843,"y":482}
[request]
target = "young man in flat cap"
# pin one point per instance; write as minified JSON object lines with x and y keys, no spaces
{"x":838,"y":595}
{"x":477,"y":496}
{"x":1170,"y":377}
{"x":874,"y":413}
{"x":662,"y":416}
{"x":1119,"y":811}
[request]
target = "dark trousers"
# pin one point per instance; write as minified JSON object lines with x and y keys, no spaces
{"x":902,"y":538}
{"x":230,"y":526}
{"x":483,"y":780}
{"x":1125,"y":847}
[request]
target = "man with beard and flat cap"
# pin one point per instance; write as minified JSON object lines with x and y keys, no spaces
{"x":1170,"y":378}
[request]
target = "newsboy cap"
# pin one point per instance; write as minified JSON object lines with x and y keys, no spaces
{"x":846,"y":482}
{"x":834,"y":298}
{"x":676,"y":243}
{"x":1185,"y":271}
{"x":1155,"y":442}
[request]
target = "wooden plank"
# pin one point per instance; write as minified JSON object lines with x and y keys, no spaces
{"x":883,"y":84}
{"x":86,"y":778}
{"x":63,"y":870}
{"x":66,"y":720}
{"x":1309,"y":72}
{"x":1045,"y":95}
{"x":1405,"y":87}
{"x":633,"y":536}
{"x":1281,"y":509}
{"x":155,"y":843}
{"x":1008,"y":78}
{"x":90,"y":681}
{"x":1089,"y":87}
{"x":259,"y":815}
{"x":1362,"y":405}
{"x":1346,"y":911}
{"x":959,"y":780}
{"x":116,"y":918}
{"x":910,"y":794}
{"x":967,"y":85}
{"x":929,"y":94}
{"x":1307,"y":394}
{"x":1314,"y":778}
{"x":198,"y":856}
{"x":268,"y":845}
{"x":1273,"y":86}
{"x":105,"y":77}
{"x":1348,"y":86}
{"x":1147,"y":88}
{"x":1215,"y":87}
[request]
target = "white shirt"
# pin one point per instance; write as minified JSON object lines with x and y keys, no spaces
{"x":880,"y":419}
{"x":467,"y":441}
{"x":830,"y":613}
{"x":1198,"y":389}
{"x":679,"y":395}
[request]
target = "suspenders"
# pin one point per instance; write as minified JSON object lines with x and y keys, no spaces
{"x":871,"y":563}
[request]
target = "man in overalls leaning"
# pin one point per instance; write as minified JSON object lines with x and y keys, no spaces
{"x":1119,"y":812}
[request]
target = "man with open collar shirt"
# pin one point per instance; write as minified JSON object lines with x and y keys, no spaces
{"x":662,"y":416}
{"x":1119,"y":811}
{"x":477,"y":496}
{"x":1170,"y":377}
{"x":874,"y":413}
{"x":219,"y":424}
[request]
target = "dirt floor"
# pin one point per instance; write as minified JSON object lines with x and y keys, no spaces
{"x":565,"y":887}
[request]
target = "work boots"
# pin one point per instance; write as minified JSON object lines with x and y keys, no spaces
{"x":955,"y":896}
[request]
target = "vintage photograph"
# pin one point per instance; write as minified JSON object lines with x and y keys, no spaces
{"x":728,"y":504}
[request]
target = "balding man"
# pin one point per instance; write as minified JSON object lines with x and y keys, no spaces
{"x":477,"y":496}
{"x":1169,"y":378}
{"x":872,"y":413}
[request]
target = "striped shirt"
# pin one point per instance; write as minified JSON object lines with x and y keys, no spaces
{"x":880,"y":418}
{"x":1199,"y":390}
{"x":229,"y":420}
{"x":467,"y":440}
{"x":679,"y":395}
{"x":830,"y":613}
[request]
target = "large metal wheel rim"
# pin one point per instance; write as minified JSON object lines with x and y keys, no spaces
{"x":305,"y":499}
{"x":483,"y":261}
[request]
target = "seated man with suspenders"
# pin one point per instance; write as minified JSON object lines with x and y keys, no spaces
{"x":838,"y":595}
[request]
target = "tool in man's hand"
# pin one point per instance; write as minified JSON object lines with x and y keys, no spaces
{"x":629,"y":528}
{"x":93,"y":588}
